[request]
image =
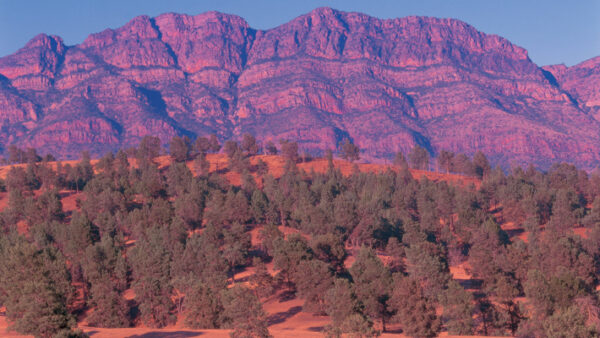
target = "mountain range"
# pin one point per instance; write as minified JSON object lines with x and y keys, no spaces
{"x":322,"y":77}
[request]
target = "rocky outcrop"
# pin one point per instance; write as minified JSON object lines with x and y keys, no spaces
{"x":581,"y":82}
{"x":385,"y":84}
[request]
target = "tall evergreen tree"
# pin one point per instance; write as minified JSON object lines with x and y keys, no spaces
{"x":150,"y":260}
{"x":244,"y":313}
{"x":371,"y":285}
{"x":413,"y":310}
{"x":37,"y":288}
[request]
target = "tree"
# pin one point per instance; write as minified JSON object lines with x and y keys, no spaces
{"x":202,"y":261}
{"x":179,"y":179}
{"x":400,"y":160}
{"x":261,"y":279}
{"x":427,"y":264}
{"x":151,"y":182}
{"x":148,"y":150}
{"x":461,"y":163}
{"x":566,"y":210}
{"x":151,"y":260}
{"x":345,"y":313}
{"x":244,"y":313}
{"x":288,"y":254}
{"x":330,"y":248}
{"x":262,"y":168}
{"x":371,"y":284}
{"x":231,"y":148}
{"x":214,"y":143}
{"x":180,"y":148}
{"x":237,"y":161}
{"x":36,"y":288}
{"x":77,"y":236}
{"x":110,"y":308}
{"x":202,"y":165}
{"x":236,"y":247}
{"x":395,"y":251}
{"x":15,"y":155}
{"x":313,"y":278}
{"x":270,"y":148}
{"x":458,"y":309}
{"x":419,"y":158}
{"x":202,"y":145}
{"x":105,"y":268}
{"x":16,"y":179}
{"x":258,"y":206}
{"x":31,"y":156}
{"x":350,"y":151}
{"x":190,"y":206}
{"x":205,"y":145}
{"x":289,"y":150}
{"x":569,"y":322}
{"x":413,"y":310}
{"x":249,"y":145}
{"x":446,"y":160}
{"x":202,"y":307}
{"x":481,"y":164}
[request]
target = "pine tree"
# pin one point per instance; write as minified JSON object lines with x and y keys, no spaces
{"x":244,"y":313}
{"x":372,"y":283}
{"x":214,"y":143}
{"x":236,"y":247}
{"x":481,"y":164}
{"x":249,"y":145}
{"x":395,"y":251}
{"x":261,"y":279}
{"x":105,"y":269}
{"x":313,"y":278}
{"x":270,"y":148}
{"x":345,"y":312}
{"x":37,"y":288}
{"x":458,"y":310}
{"x":179,"y":148}
{"x":150,"y":260}
{"x":179,"y":179}
{"x":445,"y":160}
{"x":287,"y":254}
{"x":330,"y":248}
{"x":413,"y":310}
{"x":289,"y":150}
{"x":419,"y":158}
{"x":202,"y":307}
{"x":350,"y":151}
{"x":148,"y":150}
{"x":569,"y":322}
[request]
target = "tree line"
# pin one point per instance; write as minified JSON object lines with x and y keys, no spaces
{"x":177,"y":239}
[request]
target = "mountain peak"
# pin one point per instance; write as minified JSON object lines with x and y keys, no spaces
{"x":386,"y":84}
{"x":46,"y":41}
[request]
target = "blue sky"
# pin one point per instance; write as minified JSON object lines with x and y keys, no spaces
{"x":552,"y":31}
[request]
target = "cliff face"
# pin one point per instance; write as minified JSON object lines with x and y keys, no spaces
{"x":386,"y":84}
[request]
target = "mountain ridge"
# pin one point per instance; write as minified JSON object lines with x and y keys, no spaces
{"x":386,"y":84}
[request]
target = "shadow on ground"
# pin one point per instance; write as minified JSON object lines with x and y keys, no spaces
{"x":174,"y":334}
{"x":280,"y":317}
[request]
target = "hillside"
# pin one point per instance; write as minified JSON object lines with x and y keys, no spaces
{"x":470,"y":256}
{"x":285,"y":316}
{"x":324,"y":76}
{"x":276,"y":165}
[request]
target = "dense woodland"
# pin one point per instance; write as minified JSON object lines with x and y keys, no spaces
{"x":176,"y":237}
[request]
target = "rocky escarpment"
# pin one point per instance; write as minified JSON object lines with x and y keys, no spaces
{"x":385,"y":84}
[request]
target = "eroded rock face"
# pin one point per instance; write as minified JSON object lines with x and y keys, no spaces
{"x":326,"y":75}
{"x":581,"y":82}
